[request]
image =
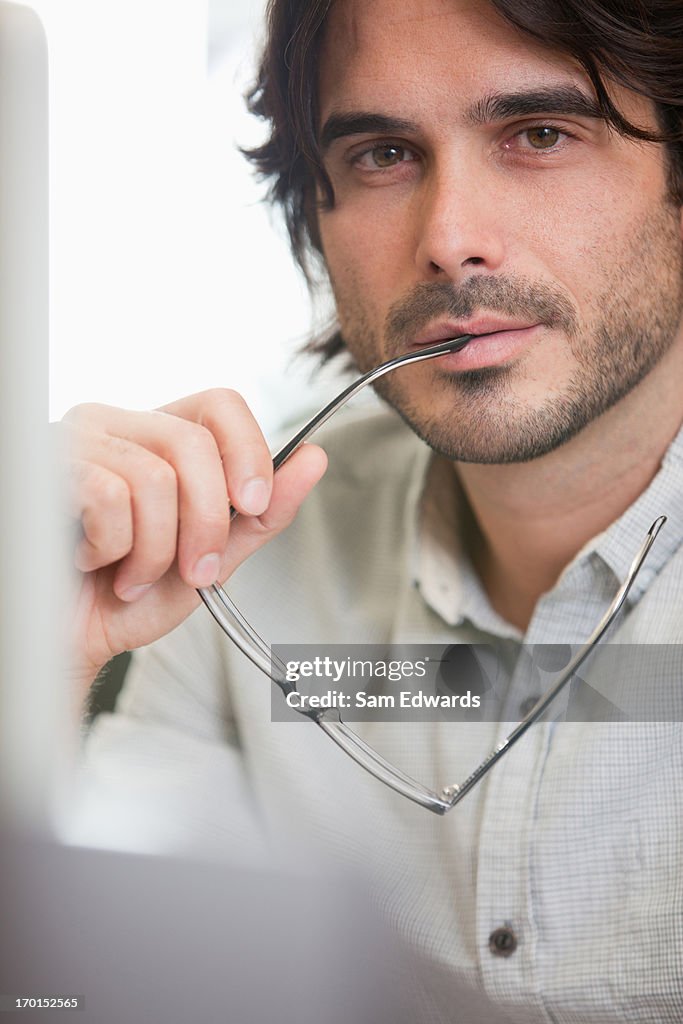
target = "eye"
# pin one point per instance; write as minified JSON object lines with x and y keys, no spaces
{"x":383,"y":156}
{"x":387,"y":156}
{"x":542,"y":137}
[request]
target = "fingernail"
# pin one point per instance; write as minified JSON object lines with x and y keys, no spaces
{"x":133,"y":593}
{"x":206,"y":570}
{"x":255,"y":495}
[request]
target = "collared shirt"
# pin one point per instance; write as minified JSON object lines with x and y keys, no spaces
{"x":554,"y":891}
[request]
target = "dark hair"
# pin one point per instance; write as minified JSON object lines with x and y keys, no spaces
{"x":635,"y":43}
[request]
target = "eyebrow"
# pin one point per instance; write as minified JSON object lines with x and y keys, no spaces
{"x":560,"y":99}
{"x":361,"y":123}
{"x":493,"y":107}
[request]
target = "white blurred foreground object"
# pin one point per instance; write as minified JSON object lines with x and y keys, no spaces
{"x":132,"y":937}
{"x":149,"y":939}
{"x":33,"y":705}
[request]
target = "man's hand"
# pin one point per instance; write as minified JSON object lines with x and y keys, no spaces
{"x":152,"y":492}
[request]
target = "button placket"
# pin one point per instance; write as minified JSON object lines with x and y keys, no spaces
{"x":506,"y":928}
{"x":505,"y":915}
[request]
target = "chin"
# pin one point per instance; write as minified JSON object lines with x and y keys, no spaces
{"x":483,"y":423}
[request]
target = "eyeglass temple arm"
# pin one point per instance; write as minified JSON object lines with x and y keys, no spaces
{"x":444,"y":347}
{"x":455,"y":793}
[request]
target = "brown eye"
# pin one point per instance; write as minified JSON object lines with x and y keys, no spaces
{"x":387,"y":156}
{"x":543,"y":138}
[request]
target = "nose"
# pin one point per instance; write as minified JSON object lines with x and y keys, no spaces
{"x":460,"y":229}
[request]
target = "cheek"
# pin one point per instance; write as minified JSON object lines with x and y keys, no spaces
{"x":366,"y":252}
{"x":573,"y":238}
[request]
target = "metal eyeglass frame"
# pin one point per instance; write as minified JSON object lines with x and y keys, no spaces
{"x":233,"y":623}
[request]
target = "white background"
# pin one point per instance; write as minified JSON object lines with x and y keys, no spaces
{"x":167,"y":276}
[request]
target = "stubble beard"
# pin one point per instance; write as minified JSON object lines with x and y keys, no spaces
{"x":639,"y":315}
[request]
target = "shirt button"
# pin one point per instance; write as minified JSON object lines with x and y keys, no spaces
{"x":502,"y":942}
{"x":526,"y":705}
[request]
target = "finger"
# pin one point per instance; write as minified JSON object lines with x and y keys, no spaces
{"x":101,"y":501}
{"x":153,"y":497}
{"x":193,"y":452}
{"x":243,"y":450}
{"x":292,"y":483}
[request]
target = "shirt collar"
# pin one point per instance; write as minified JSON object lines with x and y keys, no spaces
{"x":618,"y":544}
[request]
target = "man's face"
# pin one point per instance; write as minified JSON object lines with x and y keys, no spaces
{"x":477,"y":192}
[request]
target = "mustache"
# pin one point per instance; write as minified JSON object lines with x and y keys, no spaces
{"x":511,"y":296}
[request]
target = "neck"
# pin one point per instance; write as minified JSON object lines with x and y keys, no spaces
{"x":530,"y":519}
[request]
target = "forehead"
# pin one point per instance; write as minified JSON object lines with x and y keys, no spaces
{"x":413,"y":48}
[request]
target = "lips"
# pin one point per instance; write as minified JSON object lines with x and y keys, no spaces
{"x":496,"y":342}
{"x":443,"y":330}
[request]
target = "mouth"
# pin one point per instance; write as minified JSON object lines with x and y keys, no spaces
{"x":496,"y":341}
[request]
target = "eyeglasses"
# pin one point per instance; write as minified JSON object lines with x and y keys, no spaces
{"x":234,"y":624}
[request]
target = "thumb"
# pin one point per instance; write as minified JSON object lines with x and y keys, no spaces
{"x":292,"y":483}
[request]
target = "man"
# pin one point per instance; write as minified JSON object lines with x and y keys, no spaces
{"x":461,"y":167}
